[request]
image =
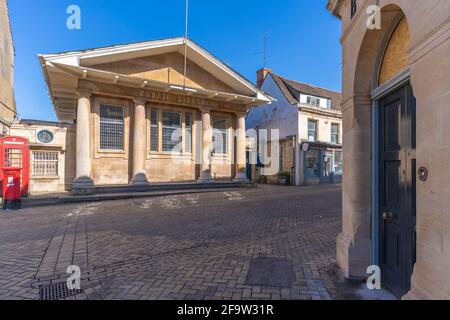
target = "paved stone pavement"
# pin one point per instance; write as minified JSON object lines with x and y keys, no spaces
{"x":197,"y":246}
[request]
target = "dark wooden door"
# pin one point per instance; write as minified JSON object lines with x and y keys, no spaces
{"x":397,"y":189}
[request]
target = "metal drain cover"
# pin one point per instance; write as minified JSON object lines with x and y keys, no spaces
{"x":270,"y":272}
{"x":58,"y":291}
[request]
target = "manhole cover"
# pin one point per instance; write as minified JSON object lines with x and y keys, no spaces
{"x":58,"y":291}
{"x":270,"y":272}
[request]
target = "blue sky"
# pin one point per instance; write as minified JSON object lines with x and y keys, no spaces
{"x":303,"y":37}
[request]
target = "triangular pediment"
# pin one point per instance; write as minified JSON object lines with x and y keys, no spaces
{"x":176,"y":47}
{"x":168,"y":68}
{"x":153,"y":65}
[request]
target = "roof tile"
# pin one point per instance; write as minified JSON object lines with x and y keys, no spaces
{"x":292,"y":89}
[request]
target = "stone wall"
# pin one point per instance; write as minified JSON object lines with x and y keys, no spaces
{"x":110,"y":167}
{"x":429,"y":63}
{"x":286,"y":157}
{"x":168,"y":68}
{"x":63,"y":144}
{"x":324,"y":123}
{"x":7,"y":102}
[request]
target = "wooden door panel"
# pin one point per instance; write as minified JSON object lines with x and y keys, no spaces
{"x":392,"y":177}
{"x":397,"y":189}
{"x":392,"y":136}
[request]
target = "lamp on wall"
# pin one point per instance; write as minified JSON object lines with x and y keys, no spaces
{"x":183,"y":88}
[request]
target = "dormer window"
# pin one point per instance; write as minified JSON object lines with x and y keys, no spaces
{"x":313,"y":101}
{"x":317,"y":102}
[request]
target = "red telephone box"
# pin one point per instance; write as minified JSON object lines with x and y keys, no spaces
{"x":15,"y":161}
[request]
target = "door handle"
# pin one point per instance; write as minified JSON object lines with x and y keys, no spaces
{"x":388,"y":216}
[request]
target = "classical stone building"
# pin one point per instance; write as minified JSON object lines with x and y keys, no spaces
{"x":52,"y":154}
{"x":7,"y":102}
{"x":396,"y":183}
{"x":143,"y":113}
{"x":309,"y":121}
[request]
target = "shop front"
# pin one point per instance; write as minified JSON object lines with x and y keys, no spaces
{"x":322,"y":163}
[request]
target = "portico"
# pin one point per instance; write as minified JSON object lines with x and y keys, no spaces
{"x":141,"y":120}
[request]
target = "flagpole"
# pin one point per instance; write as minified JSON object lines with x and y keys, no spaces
{"x":185,"y":43}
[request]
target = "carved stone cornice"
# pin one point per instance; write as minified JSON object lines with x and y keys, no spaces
{"x":159,"y":97}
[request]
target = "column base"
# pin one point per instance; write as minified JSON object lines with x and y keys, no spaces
{"x":241,"y":177}
{"x":83,"y":186}
{"x":354,"y":256}
{"x":207,"y":178}
{"x":140,"y":179}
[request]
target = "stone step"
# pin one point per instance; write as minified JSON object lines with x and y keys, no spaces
{"x":105,"y":193}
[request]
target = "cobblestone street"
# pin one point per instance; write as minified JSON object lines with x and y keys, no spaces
{"x":266,"y":243}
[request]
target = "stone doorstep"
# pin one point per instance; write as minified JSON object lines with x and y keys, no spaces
{"x":121,"y":193}
{"x":169,"y":186}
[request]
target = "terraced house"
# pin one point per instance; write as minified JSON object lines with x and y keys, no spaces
{"x":309,"y":121}
{"x":157,"y":111}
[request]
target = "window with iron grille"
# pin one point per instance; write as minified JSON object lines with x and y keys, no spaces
{"x":111,"y":128}
{"x":188,"y":135}
{"x":312,"y":130}
{"x":220,"y":136}
{"x":335,"y":133}
{"x":171,"y":132}
{"x":154,"y":131}
{"x":44,"y":164}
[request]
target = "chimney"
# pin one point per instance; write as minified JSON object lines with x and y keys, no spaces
{"x":261,"y":76}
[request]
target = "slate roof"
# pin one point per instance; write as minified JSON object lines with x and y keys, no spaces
{"x":292,"y":89}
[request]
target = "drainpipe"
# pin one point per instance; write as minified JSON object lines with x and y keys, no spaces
{"x":294,"y":155}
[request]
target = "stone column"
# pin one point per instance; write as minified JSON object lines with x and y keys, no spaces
{"x":139,"y":144}
{"x":83,"y":183}
{"x":240,"y":155}
{"x":354,"y":244}
{"x":207,"y":144}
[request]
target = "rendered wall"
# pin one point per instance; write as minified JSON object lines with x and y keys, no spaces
{"x":280,"y":115}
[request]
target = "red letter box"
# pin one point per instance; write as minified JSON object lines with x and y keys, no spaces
{"x":11,"y":188}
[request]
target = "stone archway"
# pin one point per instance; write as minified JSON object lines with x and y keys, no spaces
{"x":355,"y":243}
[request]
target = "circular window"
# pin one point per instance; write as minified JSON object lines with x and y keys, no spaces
{"x":45,"y":136}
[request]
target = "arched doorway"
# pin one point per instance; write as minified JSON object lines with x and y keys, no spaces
{"x":375,"y":233}
{"x":394,"y":160}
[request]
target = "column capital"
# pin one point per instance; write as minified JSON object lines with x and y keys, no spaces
{"x":205,"y":110}
{"x":140,"y":101}
{"x":84,"y":93}
{"x":241,"y":114}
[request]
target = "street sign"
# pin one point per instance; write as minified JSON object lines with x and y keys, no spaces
{"x":305,"y":147}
